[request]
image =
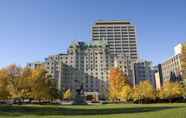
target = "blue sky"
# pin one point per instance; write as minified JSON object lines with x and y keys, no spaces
{"x":30,"y":30}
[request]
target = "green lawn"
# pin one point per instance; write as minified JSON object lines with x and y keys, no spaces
{"x":95,"y":111}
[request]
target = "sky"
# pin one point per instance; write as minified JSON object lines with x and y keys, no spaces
{"x":30,"y":30}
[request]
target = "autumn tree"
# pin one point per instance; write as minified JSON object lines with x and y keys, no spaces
{"x":117,"y":80}
{"x":23,"y":85}
{"x":183,"y":61}
{"x":126,"y":93}
{"x":4,"y":81}
{"x":43,"y":86}
{"x":171,"y":90}
{"x":143,"y":91}
{"x":14,"y":73}
{"x":13,"y":70}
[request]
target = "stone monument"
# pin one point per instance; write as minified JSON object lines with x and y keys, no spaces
{"x":79,"y":98}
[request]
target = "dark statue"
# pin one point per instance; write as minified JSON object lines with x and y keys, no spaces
{"x":79,"y":97}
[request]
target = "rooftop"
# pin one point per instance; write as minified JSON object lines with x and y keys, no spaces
{"x":101,"y":22}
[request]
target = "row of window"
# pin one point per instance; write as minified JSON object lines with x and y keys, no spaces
{"x":113,"y":36}
{"x":113,"y":32}
{"x":111,"y":29}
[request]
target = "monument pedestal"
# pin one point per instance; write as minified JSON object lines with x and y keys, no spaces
{"x":79,"y":98}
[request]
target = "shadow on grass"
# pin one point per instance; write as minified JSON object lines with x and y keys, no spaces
{"x":47,"y":110}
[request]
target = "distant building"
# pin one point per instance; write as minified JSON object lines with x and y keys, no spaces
{"x":157,"y":81}
{"x":123,"y":63}
{"x":178,"y":48}
{"x":143,"y":70}
{"x":35,"y":65}
{"x":158,"y":77}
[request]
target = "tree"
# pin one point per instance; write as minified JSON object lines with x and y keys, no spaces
{"x":40,"y":89}
{"x":171,"y":90}
{"x":136,"y":95}
{"x":117,"y":79}
{"x":126,"y":93}
{"x":43,"y":86}
{"x":14,"y":73}
{"x":4,"y":77}
{"x":143,"y":91}
{"x":25,"y":83}
{"x":13,"y":70}
{"x":67,"y":95}
{"x":183,"y":62}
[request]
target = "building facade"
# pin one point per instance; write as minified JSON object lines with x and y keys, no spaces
{"x":158,"y":76}
{"x":34,"y":65}
{"x":143,"y":70}
{"x":171,"y":67}
{"x":120,"y":36}
{"x":174,"y":68}
{"x":67,"y":69}
{"x":87,"y":65}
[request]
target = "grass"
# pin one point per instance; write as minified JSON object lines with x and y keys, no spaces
{"x":177,"y":110}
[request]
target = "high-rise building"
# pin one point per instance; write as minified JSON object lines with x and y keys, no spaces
{"x":120,"y":36}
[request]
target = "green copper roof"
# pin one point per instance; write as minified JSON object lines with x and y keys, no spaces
{"x":93,"y":44}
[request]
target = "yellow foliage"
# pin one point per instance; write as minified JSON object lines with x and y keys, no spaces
{"x":126,"y":93}
{"x":42,"y":85}
{"x":4,"y":92}
{"x":143,"y":91}
{"x":171,"y":90}
{"x":38,"y":73}
{"x":183,"y":61}
{"x":29,"y":83}
{"x":67,"y":95}
{"x":117,"y":80}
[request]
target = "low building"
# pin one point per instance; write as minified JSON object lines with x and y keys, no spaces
{"x":157,"y":80}
{"x":34,"y":65}
{"x":86,"y":64}
{"x":173,"y":68}
{"x":158,"y":77}
{"x":143,"y":70}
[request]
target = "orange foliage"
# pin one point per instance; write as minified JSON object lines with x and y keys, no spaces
{"x":117,"y":79}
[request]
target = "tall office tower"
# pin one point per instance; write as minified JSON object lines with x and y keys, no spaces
{"x":120,"y":36}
